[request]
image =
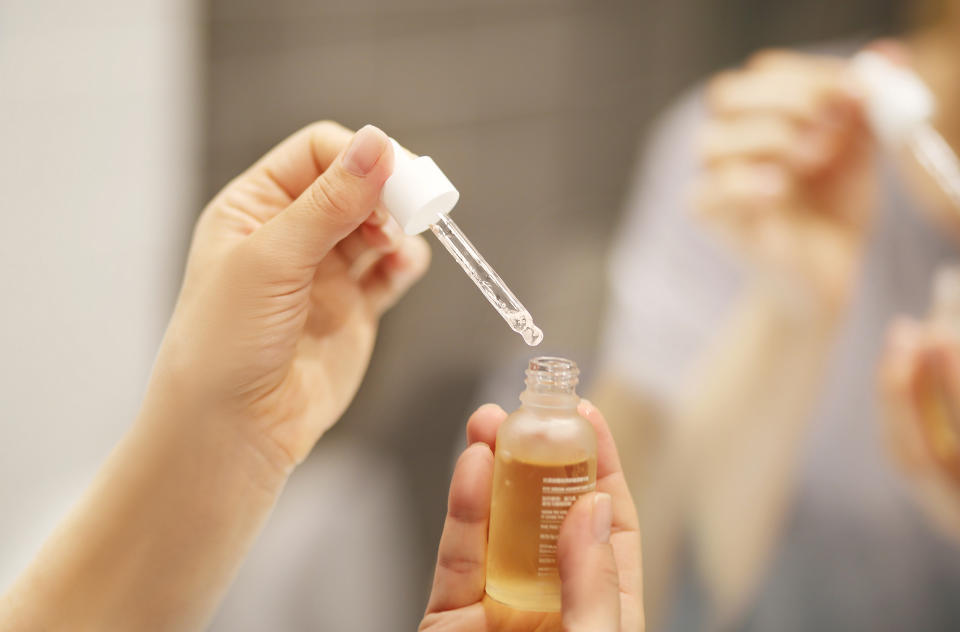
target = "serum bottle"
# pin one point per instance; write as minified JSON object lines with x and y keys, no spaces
{"x":545,"y":459}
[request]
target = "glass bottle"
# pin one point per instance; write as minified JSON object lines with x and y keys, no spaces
{"x":545,"y":459}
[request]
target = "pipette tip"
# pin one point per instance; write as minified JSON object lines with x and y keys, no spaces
{"x":532,"y":335}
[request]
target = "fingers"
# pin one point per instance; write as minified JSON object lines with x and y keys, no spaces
{"x":756,"y":138}
{"x":365,"y":246}
{"x":394,"y":273}
{"x":893,"y":49}
{"x":483,"y":425}
{"x":920,"y":386}
{"x":765,"y":138}
{"x":588,"y":568}
{"x":800,"y":111}
{"x":787,"y":177}
{"x":460,"y":573}
{"x":300,"y":159}
{"x":798,"y":87}
{"x":333,"y":205}
{"x":736,"y":192}
{"x":610,"y":478}
{"x":791,"y":93}
{"x":625,"y":524}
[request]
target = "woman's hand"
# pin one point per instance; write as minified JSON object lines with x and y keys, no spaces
{"x":920,"y":393}
{"x":292,"y":265}
{"x":599,"y":547}
{"x":787,"y":172}
{"x":289,"y":272}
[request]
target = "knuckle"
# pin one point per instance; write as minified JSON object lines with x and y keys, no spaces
{"x":458,"y":564}
{"x":609,"y":575}
{"x":252,"y":255}
{"x":329,"y":199}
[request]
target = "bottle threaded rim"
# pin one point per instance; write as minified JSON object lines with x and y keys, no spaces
{"x":551,"y":374}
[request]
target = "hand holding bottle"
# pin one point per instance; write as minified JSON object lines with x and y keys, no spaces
{"x":787,"y":171}
{"x":599,"y":547}
{"x":920,"y":392}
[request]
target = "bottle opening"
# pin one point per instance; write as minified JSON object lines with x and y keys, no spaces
{"x":547,"y":374}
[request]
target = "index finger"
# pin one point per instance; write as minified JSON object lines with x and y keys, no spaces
{"x":625,"y":524}
{"x":460,"y":574}
{"x":608,"y":460}
{"x":483,"y":425}
{"x":801,"y":96}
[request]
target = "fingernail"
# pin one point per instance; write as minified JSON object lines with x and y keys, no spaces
{"x":602,"y":517}
{"x":586,"y":406}
{"x":365,"y":149}
{"x":379,"y":216}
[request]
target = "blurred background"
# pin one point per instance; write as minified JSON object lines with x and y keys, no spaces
{"x":119,"y":119}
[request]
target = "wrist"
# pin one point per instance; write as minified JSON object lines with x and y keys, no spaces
{"x":219,"y":438}
{"x":162,"y":529}
{"x":186,"y":403}
{"x":797,"y":307}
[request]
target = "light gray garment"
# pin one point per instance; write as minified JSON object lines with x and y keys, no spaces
{"x":856,"y":553}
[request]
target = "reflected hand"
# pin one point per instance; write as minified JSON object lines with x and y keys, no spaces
{"x":920,"y":392}
{"x":599,"y":547}
{"x":289,"y":271}
{"x":787,"y":176}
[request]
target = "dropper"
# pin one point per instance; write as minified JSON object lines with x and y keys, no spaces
{"x":900,"y":108}
{"x":420,"y":196}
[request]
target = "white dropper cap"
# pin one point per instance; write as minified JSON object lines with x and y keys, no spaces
{"x":417,"y":193}
{"x":897,"y":100}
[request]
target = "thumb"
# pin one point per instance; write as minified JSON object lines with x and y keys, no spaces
{"x":588,"y":570}
{"x":337,"y":202}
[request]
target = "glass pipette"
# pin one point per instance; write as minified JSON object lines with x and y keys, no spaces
{"x":900,"y":108}
{"x":937,"y":158}
{"x":419,"y":196}
{"x":486,"y":278}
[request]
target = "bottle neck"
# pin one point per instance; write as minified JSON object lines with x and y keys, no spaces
{"x":551,"y":383}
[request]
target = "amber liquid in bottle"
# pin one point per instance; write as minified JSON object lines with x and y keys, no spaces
{"x":546,"y":458}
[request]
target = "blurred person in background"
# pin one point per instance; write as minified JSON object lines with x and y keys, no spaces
{"x":291,"y":267}
{"x":743,"y":342}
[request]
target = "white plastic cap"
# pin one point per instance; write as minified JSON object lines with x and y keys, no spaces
{"x":417,"y":193}
{"x":898,"y":101}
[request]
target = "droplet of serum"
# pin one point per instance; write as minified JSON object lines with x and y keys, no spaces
{"x":532,"y":335}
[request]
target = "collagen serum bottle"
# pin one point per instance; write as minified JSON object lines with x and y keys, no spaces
{"x":545,"y":459}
